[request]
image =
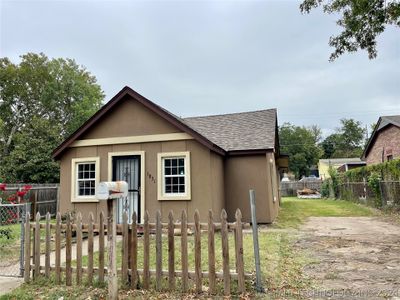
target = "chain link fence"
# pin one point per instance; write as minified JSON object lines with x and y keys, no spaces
{"x":289,"y":188}
{"x":388,"y":194}
{"x":12,"y":218}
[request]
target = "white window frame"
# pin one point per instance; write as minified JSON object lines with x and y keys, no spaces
{"x":74,"y":178}
{"x":161,"y":176}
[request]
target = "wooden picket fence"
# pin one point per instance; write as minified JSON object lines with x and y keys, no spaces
{"x":129,"y":272}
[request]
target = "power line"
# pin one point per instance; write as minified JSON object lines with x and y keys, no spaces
{"x":321,"y":114}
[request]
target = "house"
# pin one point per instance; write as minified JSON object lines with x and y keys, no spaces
{"x":324,"y":164}
{"x":171,"y":163}
{"x":384,"y":143}
{"x":351,"y":165}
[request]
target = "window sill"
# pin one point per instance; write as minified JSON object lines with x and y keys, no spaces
{"x":173,"y":198}
{"x":85,"y":200}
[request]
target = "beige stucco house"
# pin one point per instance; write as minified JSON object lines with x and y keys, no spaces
{"x":171,"y":163}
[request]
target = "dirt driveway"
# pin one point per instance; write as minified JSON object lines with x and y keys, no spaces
{"x":355,"y":257}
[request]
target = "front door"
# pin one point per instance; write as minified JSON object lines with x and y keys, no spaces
{"x":127,"y":168}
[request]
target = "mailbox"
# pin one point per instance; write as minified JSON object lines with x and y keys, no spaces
{"x":112,"y":190}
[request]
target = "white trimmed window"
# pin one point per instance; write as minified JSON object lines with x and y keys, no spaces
{"x":174,"y":176}
{"x":85,"y":177}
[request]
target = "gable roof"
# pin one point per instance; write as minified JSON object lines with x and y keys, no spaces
{"x":383,"y":122}
{"x":222,"y":133}
{"x":253,"y":130}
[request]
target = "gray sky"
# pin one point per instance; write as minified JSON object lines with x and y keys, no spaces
{"x":210,"y":57}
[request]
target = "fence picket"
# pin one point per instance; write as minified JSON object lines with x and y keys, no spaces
{"x":90,"y":249}
{"x":129,"y":272}
{"x":27,"y":248}
{"x":211,"y":253}
{"x":197,"y":252}
{"x":146,"y":251}
{"x":125,"y":250}
{"x":33,"y":247}
{"x":184,"y":254}
{"x":47,"y":257}
{"x":101,"y":247}
{"x":68,"y":251}
{"x":158,"y":251}
{"x":225,"y":253}
{"x":37,"y":247}
{"x":134,"y":274}
{"x":171,"y":252}
{"x":58,"y":248}
{"x":79,"y":248}
{"x":239,"y":251}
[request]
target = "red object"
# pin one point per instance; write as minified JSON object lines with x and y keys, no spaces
{"x":2,"y":186}
{"x":27,"y":187}
{"x":21,"y":193}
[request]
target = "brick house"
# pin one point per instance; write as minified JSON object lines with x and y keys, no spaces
{"x":384,"y":143}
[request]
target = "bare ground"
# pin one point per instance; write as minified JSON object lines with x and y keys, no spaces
{"x":354,"y":257}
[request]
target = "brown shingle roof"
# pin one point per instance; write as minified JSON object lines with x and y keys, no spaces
{"x":239,"y":131}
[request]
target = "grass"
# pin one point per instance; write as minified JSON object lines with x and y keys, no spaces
{"x":295,"y":211}
{"x":281,"y":262}
{"x":10,"y":244}
{"x":281,"y":268}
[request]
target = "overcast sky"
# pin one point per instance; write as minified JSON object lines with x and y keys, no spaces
{"x":211,"y":57}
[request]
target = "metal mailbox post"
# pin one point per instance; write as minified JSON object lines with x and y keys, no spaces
{"x":110,"y":191}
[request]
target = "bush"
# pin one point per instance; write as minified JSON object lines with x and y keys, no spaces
{"x":373,"y":182}
{"x":325,"y":189}
{"x":388,"y":171}
{"x":334,"y":182}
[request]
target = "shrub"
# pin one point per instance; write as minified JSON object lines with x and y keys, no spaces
{"x":388,"y":171}
{"x":373,"y":182}
{"x":325,"y":189}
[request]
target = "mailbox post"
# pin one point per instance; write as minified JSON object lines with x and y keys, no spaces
{"x":110,"y":191}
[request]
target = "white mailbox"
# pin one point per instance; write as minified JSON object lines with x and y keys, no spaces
{"x":112,"y":190}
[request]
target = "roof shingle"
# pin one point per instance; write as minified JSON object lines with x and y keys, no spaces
{"x":253,"y":130}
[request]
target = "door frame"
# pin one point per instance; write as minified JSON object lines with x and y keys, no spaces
{"x":142,"y":175}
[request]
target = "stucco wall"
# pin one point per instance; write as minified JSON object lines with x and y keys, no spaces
{"x":129,"y":119}
{"x":257,"y":172}
{"x":207,"y":173}
{"x":387,"y":142}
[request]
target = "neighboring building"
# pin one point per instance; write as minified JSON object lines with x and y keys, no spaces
{"x":324,"y":164}
{"x":351,"y":165}
{"x":172,"y":163}
{"x":384,"y":143}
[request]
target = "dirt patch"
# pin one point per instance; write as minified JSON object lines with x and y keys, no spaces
{"x":355,"y":257}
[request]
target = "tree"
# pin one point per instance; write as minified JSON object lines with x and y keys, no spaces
{"x":362,"y":21}
{"x":30,"y":159}
{"x":347,"y":141}
{"x":301,"y":144}
{"x":329,"y":145}
{"x":42,"y":101}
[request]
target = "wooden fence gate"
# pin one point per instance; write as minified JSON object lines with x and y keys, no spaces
{"x":70,"y":234}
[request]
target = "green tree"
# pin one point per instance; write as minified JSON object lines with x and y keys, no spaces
{"x":361,"y":20}
{"x":347,"y":141}
{"x":42,"y":101}
{"x":301,"y":144}
{"x":30,"y":159}
{"x":329,"y":145}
